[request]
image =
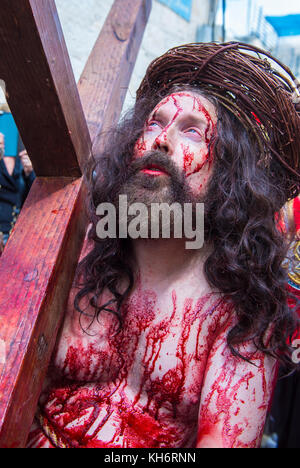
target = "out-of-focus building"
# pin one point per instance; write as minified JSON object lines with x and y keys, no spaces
{"x":251,"y":22}
{"x":171,"y":23}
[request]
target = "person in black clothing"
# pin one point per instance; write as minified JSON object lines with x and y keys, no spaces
{"x":16,"y":178}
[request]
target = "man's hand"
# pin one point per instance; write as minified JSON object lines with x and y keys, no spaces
{"x":27,"y":166}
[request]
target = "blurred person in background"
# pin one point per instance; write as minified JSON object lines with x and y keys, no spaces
{"x":16,"y":178}
{"x":283,"y":430}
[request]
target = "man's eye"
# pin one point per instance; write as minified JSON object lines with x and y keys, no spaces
{"x":153,"y":125}
{"x":193,"y":131}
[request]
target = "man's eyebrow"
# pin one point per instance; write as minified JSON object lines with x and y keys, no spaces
{"x":159,"y":113}
{"x":191,"y":118}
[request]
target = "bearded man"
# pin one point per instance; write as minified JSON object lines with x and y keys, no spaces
{"x":164,"y":346}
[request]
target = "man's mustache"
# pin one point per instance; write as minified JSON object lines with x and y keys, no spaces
{"x":156,"y":159}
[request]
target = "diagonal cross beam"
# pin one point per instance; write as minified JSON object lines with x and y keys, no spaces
{"x":59,"y":127}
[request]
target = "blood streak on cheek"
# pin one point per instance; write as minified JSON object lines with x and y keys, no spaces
{"x":188,"y":158}
{"x":140,"y":147}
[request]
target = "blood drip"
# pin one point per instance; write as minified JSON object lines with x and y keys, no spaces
{"x":143,"y":388}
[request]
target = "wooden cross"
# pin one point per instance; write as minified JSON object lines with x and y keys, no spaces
{"x":60,"y":124}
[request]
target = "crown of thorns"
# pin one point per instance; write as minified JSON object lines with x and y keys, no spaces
{"x":263,"y":95}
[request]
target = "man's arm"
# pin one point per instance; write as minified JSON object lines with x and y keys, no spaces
{"x":235,"y":397}
{"x":81,"y":338}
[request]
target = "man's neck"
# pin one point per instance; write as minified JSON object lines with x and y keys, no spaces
{"x":164,"y":263}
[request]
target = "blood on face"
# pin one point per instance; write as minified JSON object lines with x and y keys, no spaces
{"x":182,"y":125}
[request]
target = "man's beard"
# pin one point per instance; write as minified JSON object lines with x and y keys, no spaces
{"x":169,"y":188}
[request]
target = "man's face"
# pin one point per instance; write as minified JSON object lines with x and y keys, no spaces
{"x":181,"y":126}
{"x":1,"y":145}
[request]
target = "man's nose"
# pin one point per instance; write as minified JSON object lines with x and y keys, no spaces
{"x":163,"y":143}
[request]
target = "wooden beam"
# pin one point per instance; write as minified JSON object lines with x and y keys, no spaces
{"x":38,"y":265}
{"x":36,"y":271}
{"x":105,"y":78}
{"x":41,"y":89}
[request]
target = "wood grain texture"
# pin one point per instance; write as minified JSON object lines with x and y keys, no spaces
{"x":36,"y":273}
{"x":41,"y":88}
{"x":105,"y":78}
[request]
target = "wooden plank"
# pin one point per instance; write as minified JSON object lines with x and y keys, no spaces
{"x":41,"y":88}
{"x":36,"y":271}
{"x":105,"y":78}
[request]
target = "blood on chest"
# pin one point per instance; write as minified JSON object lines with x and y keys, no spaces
{"x":158,"y":357}
{"x":151,"y":371}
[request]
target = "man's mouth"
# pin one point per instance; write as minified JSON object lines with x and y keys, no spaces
{"x":154,"y":170}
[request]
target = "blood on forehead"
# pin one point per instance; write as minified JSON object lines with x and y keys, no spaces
{"x":197,"y":106}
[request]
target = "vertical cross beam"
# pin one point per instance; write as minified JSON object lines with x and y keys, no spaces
{"x":41,"y":88}
{"x":38,"y":264}
{"x":104,"y":81}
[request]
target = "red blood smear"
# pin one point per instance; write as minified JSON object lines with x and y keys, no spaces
{"x":224,"y":398}
{"x":188,"y":156}
{"x":140,"y":147}
{"x":188,"y":159}
{"x":137,"y":424}
{"x":163,"y":136}
{"x":144,"y":431}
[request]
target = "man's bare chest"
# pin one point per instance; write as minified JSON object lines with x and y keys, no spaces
{"x":147,"y":378}
{"x":158,"y":356}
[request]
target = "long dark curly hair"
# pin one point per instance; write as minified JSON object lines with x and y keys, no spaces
{"x":241,"y":206}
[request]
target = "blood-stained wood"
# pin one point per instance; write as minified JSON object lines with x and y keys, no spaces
{"x":38,"y":265}
{"x":104,"y":81}
{"x":41,"y":88}
{"x":36,"y":270}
